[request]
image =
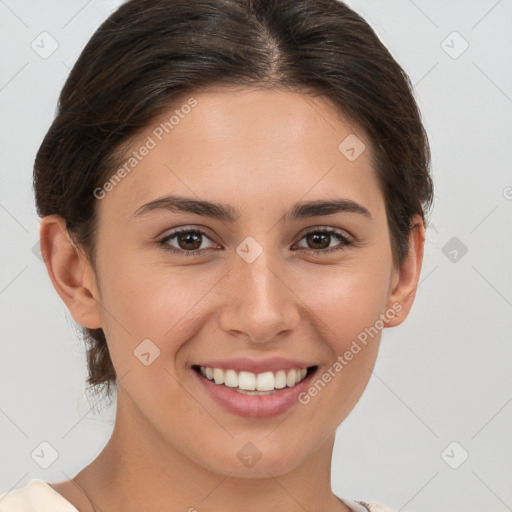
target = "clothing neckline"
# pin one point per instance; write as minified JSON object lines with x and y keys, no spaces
{"x":55,"y":493}
{"x":355,"y":506}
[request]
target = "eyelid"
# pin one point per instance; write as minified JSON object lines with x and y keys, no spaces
{"x":168,"y":233}
{"x":204,"y":230}
{"x":328,"y":229}
{"x":162,"y":239}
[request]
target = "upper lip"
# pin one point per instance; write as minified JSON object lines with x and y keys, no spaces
{"x":256,"y":366}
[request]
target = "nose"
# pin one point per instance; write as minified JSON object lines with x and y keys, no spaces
{"x":258,"y":301}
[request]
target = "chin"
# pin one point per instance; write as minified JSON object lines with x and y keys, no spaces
{"x":249,"y":461}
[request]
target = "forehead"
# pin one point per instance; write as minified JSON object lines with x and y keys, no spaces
{"x":230,"y":144}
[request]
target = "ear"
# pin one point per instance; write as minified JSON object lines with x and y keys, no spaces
{"x":70,"y":272}
{"x":406,"y":276}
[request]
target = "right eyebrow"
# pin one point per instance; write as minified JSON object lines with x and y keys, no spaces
{"x":174,"y":203}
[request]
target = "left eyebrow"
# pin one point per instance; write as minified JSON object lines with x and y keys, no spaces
{"x":221,"y":211}
{"x":321,"y":207}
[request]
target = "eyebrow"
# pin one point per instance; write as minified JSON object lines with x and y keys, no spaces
{"x":224,"y":212}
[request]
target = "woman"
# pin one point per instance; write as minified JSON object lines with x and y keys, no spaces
{"x":233,"y":198}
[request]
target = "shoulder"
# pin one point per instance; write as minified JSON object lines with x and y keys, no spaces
{"x":37,"y":495}
{"x":376,"y":507}
{"x":363,"y":506}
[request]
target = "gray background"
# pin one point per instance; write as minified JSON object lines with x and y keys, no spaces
{"x":441,"y":389}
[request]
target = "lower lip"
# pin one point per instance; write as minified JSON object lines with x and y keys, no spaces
{"x":254,"y":406}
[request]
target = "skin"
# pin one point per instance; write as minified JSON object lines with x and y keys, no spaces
{"x":172,"y":447}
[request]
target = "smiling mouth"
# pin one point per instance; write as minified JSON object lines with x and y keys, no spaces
{"x":249,"y":383}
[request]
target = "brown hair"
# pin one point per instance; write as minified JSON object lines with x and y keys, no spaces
{"x":150,"y":51}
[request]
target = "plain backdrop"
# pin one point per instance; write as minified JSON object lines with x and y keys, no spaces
{"x":432,"y":431}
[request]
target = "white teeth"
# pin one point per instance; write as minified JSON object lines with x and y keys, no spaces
{"x":260,"y":393}
{"x":218,"y":376}
{"x":250,"y":383}
{"x":230,"y":379}
{"x":290,"y":378}
{"x":280,"y":379}
{"x":247,"y":380}
{"x":265,"y":381}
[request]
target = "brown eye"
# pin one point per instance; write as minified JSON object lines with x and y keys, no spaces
{"x":186,"y":242}
{"x":319,"y":241}
{"x":190,"y":240}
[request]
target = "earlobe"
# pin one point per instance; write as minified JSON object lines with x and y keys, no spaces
{"x":407,"y":275}
{"x":71,"y":274}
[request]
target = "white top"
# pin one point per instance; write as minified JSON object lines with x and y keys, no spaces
{"x":38,"y":496}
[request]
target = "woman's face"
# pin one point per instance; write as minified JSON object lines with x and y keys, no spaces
{"x":250,"y":293}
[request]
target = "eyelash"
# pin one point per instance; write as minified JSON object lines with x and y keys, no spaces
{"x":346,"y":241}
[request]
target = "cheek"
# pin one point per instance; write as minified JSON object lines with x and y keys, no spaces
{"x":345,"y":299}
{"x":156,"y":302}
{"x":345,"y":308}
